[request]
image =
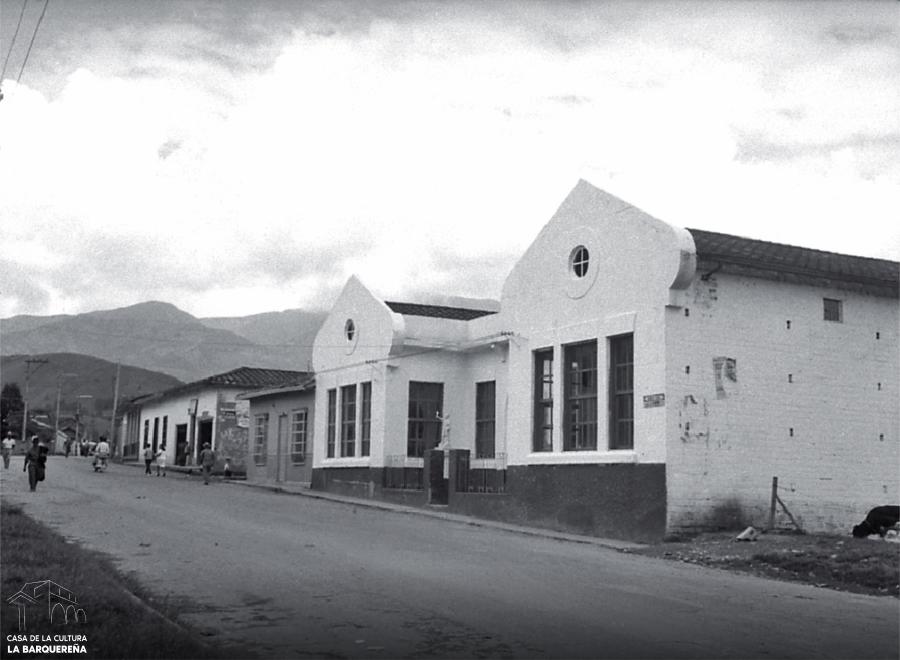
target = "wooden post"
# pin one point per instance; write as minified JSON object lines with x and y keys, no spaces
{"x":772,"y":503}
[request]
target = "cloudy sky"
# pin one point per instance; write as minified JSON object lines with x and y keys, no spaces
{"x":239,"y":157}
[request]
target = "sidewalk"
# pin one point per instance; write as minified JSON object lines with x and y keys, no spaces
{"x":303,"y":491}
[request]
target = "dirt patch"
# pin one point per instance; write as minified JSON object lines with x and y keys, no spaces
{"x":844,"y":563}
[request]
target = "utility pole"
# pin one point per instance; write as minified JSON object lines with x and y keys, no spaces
{"x":59,"y":378}
{"x":30,"y":361}
{"x":112,"y":426}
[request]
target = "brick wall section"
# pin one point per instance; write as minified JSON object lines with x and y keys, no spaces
{"x":815,"y":404}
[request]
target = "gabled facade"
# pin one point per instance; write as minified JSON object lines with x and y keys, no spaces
{"x":635,"y":378}
{"x":181,"y":419}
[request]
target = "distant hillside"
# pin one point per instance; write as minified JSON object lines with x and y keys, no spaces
{"x":160,"y":337}
{"x":292,"y":327}
{"x":92,"y":376}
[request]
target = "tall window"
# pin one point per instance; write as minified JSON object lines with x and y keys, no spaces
{"x":298,"y":436}
{"x":581,"y":397}
{"x":332,"y":421}
{"x":146,"y":432}
{"x":155,"y":433}
{"x":365,"y":421}
{"x":165,"y":430}
{"x":485,"y":418}
{"x":260,"y":431}
{"x":621,"y":392}
{"x":348,"y":420}
{"x":424,"y":428}
{"x":543,"y":400}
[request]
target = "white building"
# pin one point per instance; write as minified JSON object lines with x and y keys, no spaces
{"x":181,"y":419}
{"x":635,"y":378}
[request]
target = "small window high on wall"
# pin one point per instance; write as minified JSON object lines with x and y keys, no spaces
{"x":833,"y":310}
{"x":621,"y":392}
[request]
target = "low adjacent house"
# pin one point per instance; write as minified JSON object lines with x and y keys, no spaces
{"x":281,"y":433}
{"x":181,"y":419}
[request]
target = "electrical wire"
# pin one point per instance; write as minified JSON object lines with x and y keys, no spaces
{"x":33,"y":35}
{"x":13,"y":42}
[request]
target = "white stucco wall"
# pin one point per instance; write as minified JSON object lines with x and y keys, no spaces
{"x":176,"y":408}
{"x":842,"y":456}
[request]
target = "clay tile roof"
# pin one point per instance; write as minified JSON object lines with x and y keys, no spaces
{"x":437,"y":311}
{"x":254,"y":377}
{"x":878,"y":276}
{"x":246,"y":378}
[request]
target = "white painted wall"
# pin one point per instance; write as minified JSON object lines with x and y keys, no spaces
{"x":843,"y":456}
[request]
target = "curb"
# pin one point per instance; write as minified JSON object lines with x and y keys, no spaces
{"x":611,"y":544}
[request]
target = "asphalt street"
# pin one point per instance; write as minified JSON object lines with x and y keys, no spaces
{"x":292,"y":576}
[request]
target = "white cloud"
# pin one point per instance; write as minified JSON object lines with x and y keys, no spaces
{"x":390,"y":147}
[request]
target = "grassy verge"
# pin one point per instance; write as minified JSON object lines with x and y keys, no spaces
{"x":835,"y":562}
{"x":118,"y":625}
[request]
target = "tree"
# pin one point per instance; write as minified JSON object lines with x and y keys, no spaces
{"x":11,"y":407}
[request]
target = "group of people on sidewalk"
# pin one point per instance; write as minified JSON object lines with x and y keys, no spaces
{"x":159,"y":457}
{"x":206,"y":459}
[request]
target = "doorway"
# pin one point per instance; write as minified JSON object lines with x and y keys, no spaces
{"x":181,"y":444}
{"x":204,"y":434}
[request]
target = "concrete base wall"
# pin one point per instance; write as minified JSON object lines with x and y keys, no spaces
{"x":623,"y":501}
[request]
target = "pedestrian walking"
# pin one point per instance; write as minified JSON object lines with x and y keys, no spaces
{"x":207,"y":460}
{"x":161,"y":461}
{"x":35,"y":463}
{"x":9,"y":443}
{"x":148,"y":458}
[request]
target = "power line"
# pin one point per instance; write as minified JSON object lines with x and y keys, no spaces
{"x":13,"y":42}
{"x":33,"y":35}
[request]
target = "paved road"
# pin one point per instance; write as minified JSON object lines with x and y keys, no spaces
{"x":299,"y":577}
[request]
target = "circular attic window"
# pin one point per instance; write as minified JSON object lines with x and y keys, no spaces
{"x":579,"y":261}
{"x":349,"y":330}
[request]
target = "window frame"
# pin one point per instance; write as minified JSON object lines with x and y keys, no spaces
{"x":485,"y":419}
{"x":348,"y":421}
{"x":260,"y":438}
{"x":832,"y":307}
{"x":543,"y":383}
{"x":424,"y":427}
{"x":365,"y":419}
{"x":580,"y":409}
{"x":331,"y":422}
{"x":299,"y":435}
{"x":620,"y":393}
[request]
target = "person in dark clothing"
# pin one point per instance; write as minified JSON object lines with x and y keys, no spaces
{"x":35,"y":463}
{"x":207,"y":460}
{"x":148,"y":458}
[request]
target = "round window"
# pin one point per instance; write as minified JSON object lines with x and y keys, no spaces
{"x":579,"y":261}
{"x":349,"y":330}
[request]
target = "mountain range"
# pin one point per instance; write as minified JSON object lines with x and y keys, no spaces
{"x":160,"y":337}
